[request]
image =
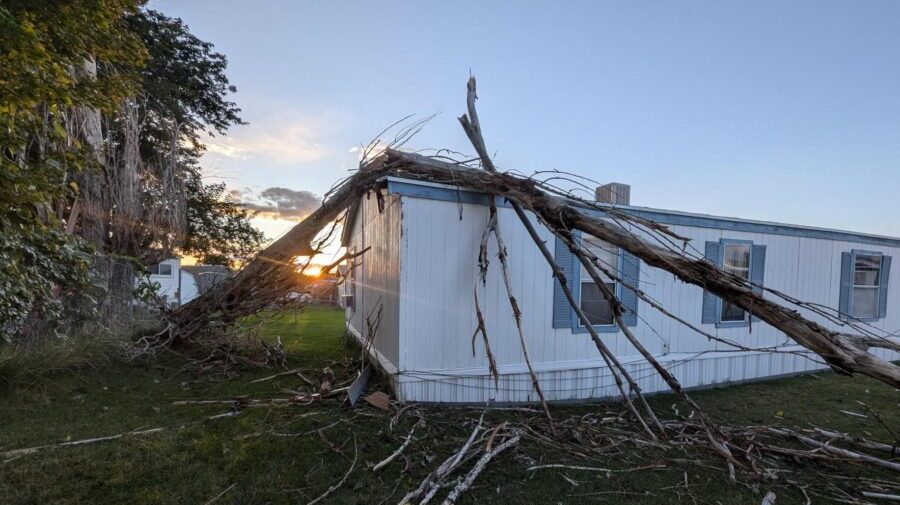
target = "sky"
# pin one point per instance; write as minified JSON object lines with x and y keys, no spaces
{"x":780,"y":111}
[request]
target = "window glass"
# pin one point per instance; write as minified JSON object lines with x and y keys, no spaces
{"x":866,"y":270}
{"x":865,"y":303}
{"x":866,"y":273}
{"x":735,"y":260}
{"x":606,"y":253}
{"x":161,"y":269}
{"x":593,"y":304}
{"x":595,"y":307}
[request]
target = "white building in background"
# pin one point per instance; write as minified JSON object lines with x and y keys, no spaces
{"x":167,"y":274}
{"x":180,"y":284}
{"x":421,"y":271}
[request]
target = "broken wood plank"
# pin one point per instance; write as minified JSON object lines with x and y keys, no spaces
{"x":379,"y":400}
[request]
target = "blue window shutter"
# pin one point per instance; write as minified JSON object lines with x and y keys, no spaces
{"x":846,"y":285}
{"x":631,"y":274}
{"x":709,"y":300}
{"x":883,"y":286}
{"x":758,"y":270}
{"x":562,"y":310}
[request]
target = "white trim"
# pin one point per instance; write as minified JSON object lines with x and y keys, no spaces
{"x":796,"y":229}
{"x":383,"y":362}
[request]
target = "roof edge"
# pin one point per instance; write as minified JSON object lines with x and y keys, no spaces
{"x":436,"y":191}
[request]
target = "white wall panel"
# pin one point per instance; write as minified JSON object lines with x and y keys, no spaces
{"x":377,"y":274}
{"x":429,"y":255}
{"x":168,"y":284}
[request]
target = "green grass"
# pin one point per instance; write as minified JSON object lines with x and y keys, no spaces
{"x":196,"y":458}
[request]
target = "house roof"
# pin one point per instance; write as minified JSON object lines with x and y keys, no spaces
{"x":207,"y":276}
{"x":435,"y":191}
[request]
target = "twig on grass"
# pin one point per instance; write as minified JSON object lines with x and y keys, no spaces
{"x":15,"y":453}
{"x":883,"y":496}
{"x":396,"y":453}
{"x":594,"y":469}
{"x":878,"y":418}
{"x":299,"y":398}
{"x":476,"y":470}
{"x":844,"y":453}
{"x":336,"y":486}
{"x":432,"y":482}
{"x":296,"y":371}
{"x":216,"y":497}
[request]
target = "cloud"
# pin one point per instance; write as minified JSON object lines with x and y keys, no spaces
{"x":370,"y":151}
{"x":277,"y":202}
{"x":284,"y":139}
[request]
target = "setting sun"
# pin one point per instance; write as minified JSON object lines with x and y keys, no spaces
{"x":305,"y":267}
{"x":312,"y":271}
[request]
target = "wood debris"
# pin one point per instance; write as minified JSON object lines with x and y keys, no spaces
{"x":15,"y":453}
{"x":386,"y":461}
{"x":326,"y":381}
{"x":379,"y":400}
{"x":297,"y":372}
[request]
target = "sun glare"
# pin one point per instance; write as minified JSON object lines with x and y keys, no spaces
{"x":312,"y":271}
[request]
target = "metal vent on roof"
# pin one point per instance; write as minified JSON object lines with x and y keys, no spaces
{"x":615,"y":193}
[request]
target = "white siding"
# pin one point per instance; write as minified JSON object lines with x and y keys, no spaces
{"x":377,"y":276}
{"x":437,"y":313}
{"x":168,"y":284}
{"x":422,"y":269}
{"x":189,"y":289}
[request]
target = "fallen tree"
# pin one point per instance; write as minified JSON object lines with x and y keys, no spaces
{"x":273,"y":273}
{"x":269,"y":276}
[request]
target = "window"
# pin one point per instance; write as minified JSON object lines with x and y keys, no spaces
{"x":743,"y":259}
{"x":736,"y":261}
{"x":866,"y":283}
{"x":161,"y":269}
{"x":865,"y":279}
{"x":588,"y":297}
{"x":593,"y":304}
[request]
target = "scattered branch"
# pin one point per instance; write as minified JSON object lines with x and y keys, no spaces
{"x":399,"y":450}
{"x":334,"y":487}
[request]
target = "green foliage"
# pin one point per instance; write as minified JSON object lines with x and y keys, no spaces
{"x":184,"y":84}
{"x":43,"y":41}
{"x":47,"y":82}
{"x":184,"y":80}
{"x":219,"y":230}
{"x":42,"y":268}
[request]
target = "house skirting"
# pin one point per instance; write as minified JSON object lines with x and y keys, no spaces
{"x":590,"y":380}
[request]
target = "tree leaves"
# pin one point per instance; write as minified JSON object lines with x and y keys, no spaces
{"x":48,"y":91}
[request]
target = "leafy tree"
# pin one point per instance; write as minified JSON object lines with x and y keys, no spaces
{"x":44,"y":45}
{"x":219,"y":231}
{"x":100,"y":99}
{"x":184,"y":81}
{"x":185,"y":91}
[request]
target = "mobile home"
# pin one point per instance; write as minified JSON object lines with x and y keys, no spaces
{"x":177,"y":284}
{"x":421,"y":271}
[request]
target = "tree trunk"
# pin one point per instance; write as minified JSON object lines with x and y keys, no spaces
{"x":843,"y":352}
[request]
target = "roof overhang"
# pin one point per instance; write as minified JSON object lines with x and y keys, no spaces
{"x":435,"y":191}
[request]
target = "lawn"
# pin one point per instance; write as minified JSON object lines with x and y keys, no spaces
{"x":292,"y":454}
